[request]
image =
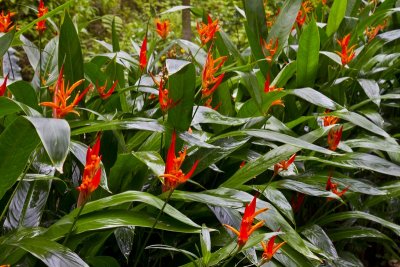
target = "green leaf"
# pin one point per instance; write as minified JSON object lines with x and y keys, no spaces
{"x":371,"y":89}
{"x":336,"y":16}
{"x":277,"y":198}
{"x":102,"y":261}
{"x":153,"y":160}
{"x":55,"y":137}
{"x":50,"y":253}
{"x":10,"y":106}
{"x":317,"y":236}
{"x":352,"y":215}
{"x":285,"y":74}
{"x":181,"y":85}
{"x":23,"y":92}
{"x":314,"y":97}
{"x":70,"y":53}
{"x":358,"y":232}
{"x":208,"y":115}
{"x":17,"y":142}
{"x":5,"y":41}
{"x":308,"y":55}
{"x":303,"y":188}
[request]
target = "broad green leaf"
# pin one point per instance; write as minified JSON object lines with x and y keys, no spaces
{"x":251,"y":109}
{"x":55,"y":137}
{"x":206,"y":199}
{"x":125,"y":238}
{"x":249,"y":80}
{"x":308,"y":55}
{"x":277,"y":198}
{"x":285,"y":74}
{"x":23,"y":92}
{"x":208,"y":115}
{"x":373,"y":142}
{"x":50,"y":253}
{"x":5,"y":41}
{"x":352,"y":215}
{"x":17,"y":142}
{"x":181,"y":86}
{"x":10,"y":106}
{"x":336,"y":16}
{"x":152,"y":159}
{"x":102,"y":261}
{"x":317,"y":236}
{"x":70,"y":53}
{"x":303,"y":188}
{"x":371,"y":89}
{"x":314,"y":97}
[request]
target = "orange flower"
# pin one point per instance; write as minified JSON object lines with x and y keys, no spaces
{"x":162,"y":28}
{"x":91,"y":173}
{"x":246,"y":226}
{"x":62,"y":94}
{"x":284,"y":164}
{"x":330,"y":120}
{"x":278,"y":102}
{"x":371,"y":32}
{"x":306,"y":7}
{"x":165,"y":102}
{"x":207,"y":31}
{"x":5,"y":21}
{"x":42,"y":10}
{"x":271,"y":47}
{"x":270,"y":248}
{"x":333,"y":187}
{"x":101,"y":90}
{"x":334,"y":137}
{"x":347,"y":54}
{"x":5,"y":265}
{"x":3,"y":87}
{"x":267,"y":86}
{"x":173,"y":175}
{"x":210,"y":68}
{"x":143,"y":54}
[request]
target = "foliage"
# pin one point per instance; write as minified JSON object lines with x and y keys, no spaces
{"x":270,"y":121}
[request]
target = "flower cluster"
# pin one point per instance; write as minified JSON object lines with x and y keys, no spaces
{"x":306,"y":8}
{"x":102,"y":90}
{"x":42,"y":10}
{"x":207,"y":31}
{"x":334,"y":136}
{"x":347,"y":53}
{"x":284,"y":164}
{"x":333,"y":187}
{"x":162,"y":28}
{"x":6,"y":23}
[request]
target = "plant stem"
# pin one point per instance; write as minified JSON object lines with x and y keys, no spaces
{"x":270,"y":180}
{"x":40,"y":66}
{"x":231,"y":258}
{"x":11,"y":67}
{"x":152,"y":228}
{"x":74,"y":223}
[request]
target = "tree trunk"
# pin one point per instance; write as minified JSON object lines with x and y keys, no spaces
{"x":186,"y":26}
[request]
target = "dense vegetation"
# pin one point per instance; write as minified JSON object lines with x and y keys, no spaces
{"x":269,"y":139}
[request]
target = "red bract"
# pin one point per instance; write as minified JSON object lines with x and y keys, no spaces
{"x":91,"y":173}
{"x":334,"y":136}
{"x":62,"y":94}
{"x":143,"y":55}
{"x":5,"y":21}
{"x":162,"y":28}
{"x":346,"y":54}
{"x":297,"y":201}
{"x":209,"y":82}
{"x":165,"y":102}
{"x":3,"y":87}
{"x":284,"y":164}
{"x":306,"y":8}
{"x":271,"y":47}
{"x":333,"y":187}
{"x":207,"y":31}
{"x":42,"y":10}
{"x":246,"y":226}
{"x":101,"y":90}
{"x":173,"y":175}
{"x":270,"y":248}
{"x":330,"y":120}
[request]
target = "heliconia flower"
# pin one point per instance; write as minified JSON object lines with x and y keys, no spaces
{"x":333,"y":187}
{"x":306,"y":7}
{"x":297,"y":201}
{"x":101,"y":90}
{"x":162,"y":28}
{"x":267,"y":85}
{"x":207,"y":103}
{"x":143,"y":54}
{"x":62,"y":94}
{"x":3,"y":87}
{"x":270,"y":248}
{"x":209,"y":82}
{"x":246,"y":226}
{"x":207,"y":31}
{"x":173,"y":175}
{"x":242,"y":164}
{"x":165,"y":102}
{"x":330,"y":120}
{"x":347,"y":54}
{"x":334,"y":136}
{"x":278,"y":102}
{"x":284,"y":164}
{"x":42,"y":10}
{"x":5,"y":21}
{"x":91,"y":174}
{"x":371,"y":32}
{"x":271,"y":47}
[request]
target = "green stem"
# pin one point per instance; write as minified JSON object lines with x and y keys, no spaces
{"x":270,"y":180}
{"x":231,"y":258}
{"x":40,"y":67}
{"x":74,"y":223}
{"x":11,"y":67}
{"x":152,"y":228}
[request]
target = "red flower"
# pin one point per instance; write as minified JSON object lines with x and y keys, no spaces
{"x":101,"y":90}
{"x":334,"y":136}
{"x":306,"y":7}
{"x":62,"y":94}
{"x":207,"y":31}
{"x":371,"y":32}
{"x":246,"y":226}
{"x":91,"y":173}
{"x":173,"y":175}
{"x":163,"y":28}
{"x":284,"y":164}
{"x":333,"y":187}
{"x":297,"y":202}
{"x":5,"y":21}
{"x":209,"y":82}
{"x":165,"y":102}
{"x":270,"y":248}
{"x":330,"y":120}
{"x":42,"y":10}
{"x":143,"y":54}
{"x":3,"y":87}
{"x":347,"y":54}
